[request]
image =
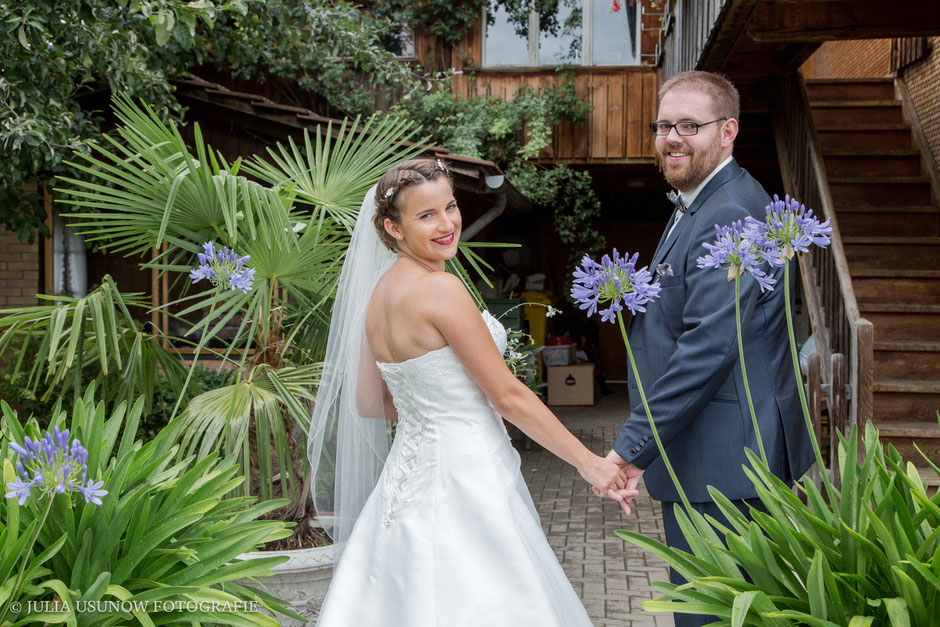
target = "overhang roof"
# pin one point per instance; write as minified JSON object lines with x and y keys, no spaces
{"x":469,"y":174}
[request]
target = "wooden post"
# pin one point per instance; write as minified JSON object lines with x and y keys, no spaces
{"x":836,"y":414}
{"x":814,"y":394}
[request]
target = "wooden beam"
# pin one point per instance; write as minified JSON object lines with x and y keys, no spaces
{"x":787,"y":21}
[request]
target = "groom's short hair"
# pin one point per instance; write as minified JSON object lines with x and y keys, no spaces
{"x":724,"y":94}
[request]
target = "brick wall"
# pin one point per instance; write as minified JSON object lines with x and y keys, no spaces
{"x":857,"y":58}
{"x":923,"y":78}
{"x":19,"y":270}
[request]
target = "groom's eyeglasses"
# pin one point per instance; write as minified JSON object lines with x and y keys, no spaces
{"x":682,"y":128}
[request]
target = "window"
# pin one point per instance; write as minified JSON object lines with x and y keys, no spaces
{"x":400,"y":42}
{"x":578,"y":32}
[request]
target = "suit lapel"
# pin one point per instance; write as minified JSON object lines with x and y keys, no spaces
{"x":662,"y":239}
{"x":721,"y":177}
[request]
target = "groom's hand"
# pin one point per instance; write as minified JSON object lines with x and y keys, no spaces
{"x":625,"y":495}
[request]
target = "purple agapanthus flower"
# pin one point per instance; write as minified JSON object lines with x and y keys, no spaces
{"x":223,"y":268}
{"x":52,"y":465}
{"x":737,"y":253}
{"x":614,"y":280}
{"x":93,"y":492}
{"x":789,"y":227}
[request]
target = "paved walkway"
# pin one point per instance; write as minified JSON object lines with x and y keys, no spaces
{"x":612,"y":577}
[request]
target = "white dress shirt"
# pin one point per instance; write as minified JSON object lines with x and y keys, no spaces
{"x":689,"y":197}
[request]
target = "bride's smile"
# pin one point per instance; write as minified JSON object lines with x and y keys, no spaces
{"x":429,"y":227}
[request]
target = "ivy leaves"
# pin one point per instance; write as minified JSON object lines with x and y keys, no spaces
{"x":491,"y":128}
{"x":62,"y":57}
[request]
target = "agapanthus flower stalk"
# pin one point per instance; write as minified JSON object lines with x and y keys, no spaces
{"x":51,"y":465}
{"x":734,"y":251}
{"x":789,"y":227}
{"x":223,"y":268}
{"x":616,"y":282}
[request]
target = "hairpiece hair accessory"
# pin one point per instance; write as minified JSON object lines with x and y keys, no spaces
{"x":389,"y":192}
{"x":440,"y":166}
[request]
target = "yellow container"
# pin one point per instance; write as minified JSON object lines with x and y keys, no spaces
{"x":535,"y":314}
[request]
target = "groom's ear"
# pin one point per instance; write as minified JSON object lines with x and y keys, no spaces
{"x":393,"y":229}
{"x":729,"y":131}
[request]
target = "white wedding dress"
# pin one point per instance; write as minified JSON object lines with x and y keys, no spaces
{"x":450,"y":536}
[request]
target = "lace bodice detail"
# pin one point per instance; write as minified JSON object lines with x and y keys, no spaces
{"x":435,"y":397}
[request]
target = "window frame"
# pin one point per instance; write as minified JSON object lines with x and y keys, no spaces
{"x":587,"y":39}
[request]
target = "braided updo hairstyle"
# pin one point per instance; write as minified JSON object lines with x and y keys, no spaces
{"x":389,"y":190}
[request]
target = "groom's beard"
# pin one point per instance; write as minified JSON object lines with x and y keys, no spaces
{"x":687,"y":176}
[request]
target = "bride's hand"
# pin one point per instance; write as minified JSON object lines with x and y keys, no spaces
{"x":602,"y":474}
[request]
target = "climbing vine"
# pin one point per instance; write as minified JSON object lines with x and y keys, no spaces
{"x":492,"y":128}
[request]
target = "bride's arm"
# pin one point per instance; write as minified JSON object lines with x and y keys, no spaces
{"x":373,"y":399}
{"x":446,"y":304}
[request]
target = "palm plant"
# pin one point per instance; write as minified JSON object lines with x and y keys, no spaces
{"x":148,"y":195}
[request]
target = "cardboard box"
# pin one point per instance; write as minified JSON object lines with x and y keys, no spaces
{"x":571,"y":385}
{"x":562,"y":355}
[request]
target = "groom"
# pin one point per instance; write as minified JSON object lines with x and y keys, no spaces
{"x":685,"y":344}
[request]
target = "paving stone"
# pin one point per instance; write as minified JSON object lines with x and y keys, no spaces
{"x":612,"y":577}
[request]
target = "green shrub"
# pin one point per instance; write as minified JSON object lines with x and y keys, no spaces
{"x":868,"y":554}
{"x":166,"y":532}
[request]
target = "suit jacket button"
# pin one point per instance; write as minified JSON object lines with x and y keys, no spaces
{"x":634,"y":451}
{"x":646,"y":438}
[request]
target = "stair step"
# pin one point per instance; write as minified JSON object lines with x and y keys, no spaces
{"x":864,"y":136}
{"x":892,"y":403}
{"x":905,"y":434}
{"x":908,"y":428}
{"x":836,"y":104}
{"x":877,"y":180}
{"x":831,"y":112}
{"x":856,"y":165}
{"x":929,"y":476}
{"x":889,"y":209}
{"x":891,"y":324}
{"x":871,"y":152}
{"x":880,"y":190}
{"x":916,"y":253}
{"x":890,"y":272}
{"x":894,"y":221}
{"x":849,"y":89}
{"x":892,"y":240}
{"x":903,"y":287}
{"x":928,"y":308}
{"x":917,"y":360}
{"x":864,"y":126}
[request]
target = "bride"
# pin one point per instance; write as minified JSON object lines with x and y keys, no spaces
{"x":436,"y":528}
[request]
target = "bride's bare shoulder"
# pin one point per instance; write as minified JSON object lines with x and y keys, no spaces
{"x":424,"y":295}
{"x":440,"y":289}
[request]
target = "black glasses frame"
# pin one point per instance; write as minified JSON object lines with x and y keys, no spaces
{"x":694,"y":126}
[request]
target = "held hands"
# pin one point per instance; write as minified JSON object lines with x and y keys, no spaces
{"x":609,"y":479}
{"x":622,"y":494}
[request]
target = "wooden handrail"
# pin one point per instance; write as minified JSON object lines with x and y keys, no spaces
{"x":841,"y":334}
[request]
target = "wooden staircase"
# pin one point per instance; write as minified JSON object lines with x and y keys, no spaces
{"x":890,"y":225}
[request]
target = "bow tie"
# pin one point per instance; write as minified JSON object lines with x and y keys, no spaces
{"x":676,"y":199}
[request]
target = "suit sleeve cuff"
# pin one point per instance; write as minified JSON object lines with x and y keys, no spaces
{"x":635,"y":444}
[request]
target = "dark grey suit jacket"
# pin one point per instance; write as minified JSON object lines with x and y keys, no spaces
{"x":686,"y":351}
